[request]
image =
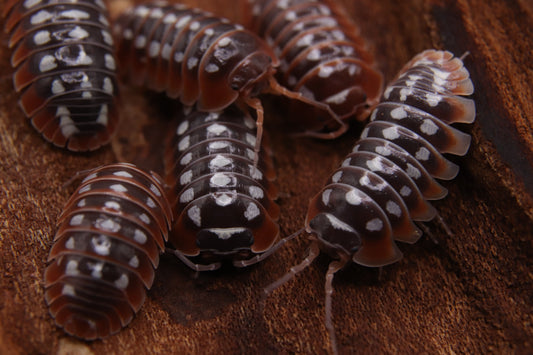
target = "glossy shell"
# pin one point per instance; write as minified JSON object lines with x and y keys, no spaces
{"x":192,"y":55}
{"x":105,"y":250}
{"x":384,"y":184}
{"x":323,"y":57}
{"x":64,"y":70}
{"x":223,"y":205}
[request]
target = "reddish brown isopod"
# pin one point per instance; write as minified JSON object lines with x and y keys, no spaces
{"x":222,"y":203}
{"x":383,"y":185}
{"x":202,"y":59}
{"x":323,"y":57}
{"x":64,"y":69}
{"x":105,"y":250}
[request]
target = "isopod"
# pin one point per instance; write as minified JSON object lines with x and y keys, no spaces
{"x":202,"y":59}
{"x":322,"y":56}
{"x":222,"y":203}
{"x":105,"y":250}
{"x":383,"y":185}
{"x":65,"y":69}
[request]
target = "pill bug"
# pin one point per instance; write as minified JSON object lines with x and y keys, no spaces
{"x":64,"y":69}
{"x":105,"y":250}
{"x":193,"y":55}
{"x":383,"y":185}
{"x":223,"y":204}
{"x":322,"y":56}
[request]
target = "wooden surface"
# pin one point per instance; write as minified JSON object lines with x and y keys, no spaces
{"x":471,"y":293}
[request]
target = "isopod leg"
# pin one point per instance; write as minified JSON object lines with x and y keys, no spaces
{"x":196,"y":267}
{"x":334,"y":266}
{"x":313,"y":253}
{"x":276,"y":89}
{"x":261,"y":257}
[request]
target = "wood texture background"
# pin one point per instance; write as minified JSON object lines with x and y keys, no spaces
{"x":471,"y":293}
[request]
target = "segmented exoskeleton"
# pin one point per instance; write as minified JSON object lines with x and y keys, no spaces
{"x":105,"y":250}
{"x":223,"y":204}
{"x":383,"y":185}
{"x":322,"y":56}
{"x":202,"y":59}
{"x":64,"y":69}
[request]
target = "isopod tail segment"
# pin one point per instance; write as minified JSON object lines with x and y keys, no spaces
{"x":383,"y":186}
{"x":223,"y":204}
{"x":106,"y":250}
{"x":65,"y":70}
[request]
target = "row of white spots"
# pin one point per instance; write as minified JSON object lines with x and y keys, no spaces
{"x":73,"y":14}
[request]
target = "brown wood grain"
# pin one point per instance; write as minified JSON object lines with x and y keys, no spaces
{"x":471,"y":293}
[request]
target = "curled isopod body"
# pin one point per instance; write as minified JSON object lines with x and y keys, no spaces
{"x":65,"y":69}
{"x":322,"y":56}
{"x":385,"y":183}
{"x":105,"y":250}
{"x":202,"y":59}
{"x":222,"y":203}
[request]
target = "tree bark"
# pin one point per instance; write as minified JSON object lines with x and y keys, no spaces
{"x":470,"y":293}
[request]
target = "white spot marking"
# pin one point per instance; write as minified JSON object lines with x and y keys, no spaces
{"x":391,"y":133}
{"x":77,"y":220}
{"x":134,"y":262}
{"x":78,"y":33}
{"x":41,"y":17}
{"x":182,"y":127}
{"x":187,"y":195}
{"x":212,"y":68}
{"x":68,"y":290}
{"x":429,"y":127}
{"x":422,"y":154}
{"x":393,"y":208}
{"x":108,"y":86}
{"x":101,"y":244}
{"x":325,"y":196}
{"x":41,"y":37}
{"x":337,"y":176}
{"x":47,"y":63}
{"x":405,"y":191}
{"x":398,"y":113}
{"x":118,"y":188}
{"x":220,"y":180}
{"x":122,"y":282}
{"x":413,"y":172}
{"x":219,"y":161}
{"x":354,"y":197}
{"x":110,"y":62}
{"x":256,"y":192}
{"x":71,"y":243}
{"x":139,"y":236}
{"x":338,"y":224}
{"x":57,"y":87}
{"x":184,"y":143}
{"x":123,"y":174}
{"x":217,"y":129}
{"x":195,"y":215}
{"x":252,"y":211}
{"x":107,"y":224}
{"x":223,"y":199}
{"x":338,"y":98}
{"x":186,"y":177}
{"x":374,"y":225}
{"x":112,"y":205}
{"x":186,"y":159}
{"x":72,"y":268}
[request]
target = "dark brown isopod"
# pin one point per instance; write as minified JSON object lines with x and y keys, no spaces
{"x":105,"y":250}
{"x":383,"y":185}
{"x":323,"y":57}
{"x":193,"y":55}
{"x":64,"y":69}
{"x":222,"y":203}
